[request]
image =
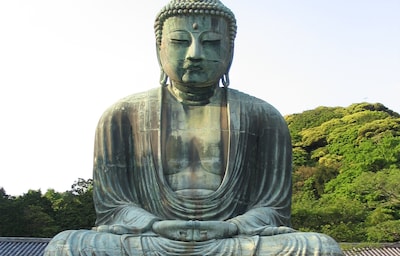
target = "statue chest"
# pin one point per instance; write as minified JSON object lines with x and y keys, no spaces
{"x":193,"y":153}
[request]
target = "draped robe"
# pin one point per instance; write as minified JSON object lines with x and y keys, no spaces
{"x":130,"y":187}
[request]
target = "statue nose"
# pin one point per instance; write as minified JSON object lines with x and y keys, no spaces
{"x":195,"y":51}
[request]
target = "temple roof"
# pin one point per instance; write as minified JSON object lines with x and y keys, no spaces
{"x":383,"y":249}
{"x":22,"y":246}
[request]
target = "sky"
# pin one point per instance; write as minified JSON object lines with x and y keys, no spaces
{"x":62,"y":63}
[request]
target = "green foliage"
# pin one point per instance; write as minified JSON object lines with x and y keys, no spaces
{"x":27,"y":215}
{"x":379,"y":128}
{"x":346,"y":171}
{"x":75,"y":210}
{"x":379,"y":215}
{"x":38,"y":223}
{"x":300,"y":157}
{"x":309,"y":182}
{"x":360,"y":107}
{"x":379,"y":188}
{"x":8,"y":209}
{"x":388,"y":231}
{"x":342,"y":218}
{"x":311,"y":118}
{"x":36,"y":215}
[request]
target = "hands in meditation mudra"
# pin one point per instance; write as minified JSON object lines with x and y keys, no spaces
{"x":192,"y":168}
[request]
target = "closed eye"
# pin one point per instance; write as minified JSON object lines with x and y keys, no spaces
{"x":179,"y":41}
{"x":179,"y":37}
{"x":211,"y":38}
{"x":212,"y":42}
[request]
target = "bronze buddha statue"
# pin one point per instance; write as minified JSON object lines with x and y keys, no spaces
{"x":192,"y":168}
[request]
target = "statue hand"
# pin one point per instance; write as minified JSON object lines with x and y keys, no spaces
{"x":117,"y":229}
{"x":216,"y":230}
{"x":271,"y":231}
{"x":194,"y":230}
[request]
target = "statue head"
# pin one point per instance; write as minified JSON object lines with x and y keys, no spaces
{"x":195,"y":42}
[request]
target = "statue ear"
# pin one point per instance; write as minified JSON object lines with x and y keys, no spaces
{"x":230,"y":59}
{"x":163,"y":75}
{"x":225,"y":78}
{"x":158,"y":54}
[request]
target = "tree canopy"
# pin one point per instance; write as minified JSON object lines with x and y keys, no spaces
{"x":35,"y":214}
{"x":346,"y":168}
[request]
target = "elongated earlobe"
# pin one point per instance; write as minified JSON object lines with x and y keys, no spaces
{"x":163,"y":78}
{"x":225,"y":80}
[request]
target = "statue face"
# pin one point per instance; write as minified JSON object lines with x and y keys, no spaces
{"x":195,"y":50}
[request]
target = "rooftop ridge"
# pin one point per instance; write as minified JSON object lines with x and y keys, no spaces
{"x":25,"y":239}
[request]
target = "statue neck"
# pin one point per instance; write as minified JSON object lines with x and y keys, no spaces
{"x":192,"y":95}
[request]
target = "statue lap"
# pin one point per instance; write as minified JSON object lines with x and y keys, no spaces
{"x":87,"y":242}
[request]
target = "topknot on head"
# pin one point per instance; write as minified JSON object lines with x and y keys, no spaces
{"x":193,"y":7}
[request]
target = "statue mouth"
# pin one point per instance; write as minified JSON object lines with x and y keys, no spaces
{"x":194,"y":68}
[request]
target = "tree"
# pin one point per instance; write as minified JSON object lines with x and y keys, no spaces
{"x":75,"y":208}
{"x":8,"y":211}
{"x":37,"y":215}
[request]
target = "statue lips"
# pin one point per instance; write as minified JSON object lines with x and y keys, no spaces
{"x":193,"y":67}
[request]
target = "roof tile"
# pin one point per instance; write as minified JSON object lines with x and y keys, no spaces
{"x":22,"y":246}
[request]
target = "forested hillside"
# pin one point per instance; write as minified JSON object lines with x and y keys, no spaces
{"x":346,"y":173}
{"x":346,"y":181}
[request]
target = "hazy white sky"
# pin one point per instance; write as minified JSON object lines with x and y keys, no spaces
{"x":63,"y":62}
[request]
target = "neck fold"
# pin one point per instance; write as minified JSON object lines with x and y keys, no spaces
{"x":192,"y":95}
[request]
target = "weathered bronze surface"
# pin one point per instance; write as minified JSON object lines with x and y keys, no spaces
{"x":192,"y":168}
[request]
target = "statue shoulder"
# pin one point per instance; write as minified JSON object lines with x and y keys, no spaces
{"x":134,"y":100}
{"x":254,"y":102}
{"x":131,"y":104}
